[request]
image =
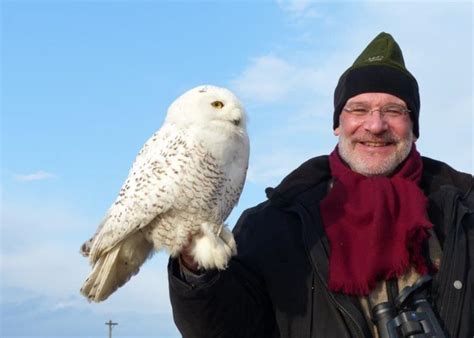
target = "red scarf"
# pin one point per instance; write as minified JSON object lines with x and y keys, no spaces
{"x":375,"y":225}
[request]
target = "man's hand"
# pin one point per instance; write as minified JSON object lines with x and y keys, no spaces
{"x":187,"y":259}
{"x":207,"y":250}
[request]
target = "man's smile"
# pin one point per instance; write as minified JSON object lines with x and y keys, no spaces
{"x":376,"y":144}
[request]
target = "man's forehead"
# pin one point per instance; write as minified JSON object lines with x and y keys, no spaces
{"x":373,"y":98}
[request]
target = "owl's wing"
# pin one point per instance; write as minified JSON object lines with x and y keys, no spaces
{"x":151,"y":188}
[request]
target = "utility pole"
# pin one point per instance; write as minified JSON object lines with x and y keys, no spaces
{"x":110,"y":324}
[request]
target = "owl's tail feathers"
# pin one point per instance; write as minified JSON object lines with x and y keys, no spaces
{"x":213,"y":251}
{"x":115,"y":267}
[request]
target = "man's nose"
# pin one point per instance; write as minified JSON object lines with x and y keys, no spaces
{"x":375,"y":122}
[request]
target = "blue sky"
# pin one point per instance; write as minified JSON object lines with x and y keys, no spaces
{"x":85,"y":83}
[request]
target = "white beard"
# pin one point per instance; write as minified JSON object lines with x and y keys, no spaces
{"x":387,"y":167}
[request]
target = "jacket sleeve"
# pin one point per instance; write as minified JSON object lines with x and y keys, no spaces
{"x":231,"y":303}
{"x":453,"y":285}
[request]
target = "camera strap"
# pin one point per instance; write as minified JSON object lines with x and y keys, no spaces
{"x":419,"y":287}
{"x":392,"y":290}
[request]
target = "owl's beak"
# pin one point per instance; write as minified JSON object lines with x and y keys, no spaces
{"x":236,"y":122}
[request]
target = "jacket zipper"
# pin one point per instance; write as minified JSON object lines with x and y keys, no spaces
{"x":301,"y":211}
{"x":342,"y":309}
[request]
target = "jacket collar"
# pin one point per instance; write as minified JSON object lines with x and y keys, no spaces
{"x":437,"y":174}
{"x":306,"y":176}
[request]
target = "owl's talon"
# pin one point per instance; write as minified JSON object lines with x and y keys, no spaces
{"x":211,"y":251}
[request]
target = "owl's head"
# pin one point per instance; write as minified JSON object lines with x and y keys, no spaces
{"x":208,"y":107}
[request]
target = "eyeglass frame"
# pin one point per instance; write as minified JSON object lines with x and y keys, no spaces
{"x":382,"y":110}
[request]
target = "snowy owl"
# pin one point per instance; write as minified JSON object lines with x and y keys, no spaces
{"x":182,"y":186}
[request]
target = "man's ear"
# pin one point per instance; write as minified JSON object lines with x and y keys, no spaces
{"x":337,"y":131}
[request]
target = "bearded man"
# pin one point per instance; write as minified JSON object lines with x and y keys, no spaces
{"x":371,"y":241}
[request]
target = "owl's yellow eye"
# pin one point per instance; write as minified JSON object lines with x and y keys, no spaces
{"x":217,"y":104}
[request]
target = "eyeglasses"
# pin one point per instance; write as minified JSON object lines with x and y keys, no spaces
{"x":390,"y":111}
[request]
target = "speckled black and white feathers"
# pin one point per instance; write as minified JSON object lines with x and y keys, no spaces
{"x":183,"y":184}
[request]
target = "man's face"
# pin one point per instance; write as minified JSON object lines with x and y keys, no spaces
{"x":374,"y":145}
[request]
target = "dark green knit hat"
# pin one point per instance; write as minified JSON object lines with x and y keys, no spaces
{"x":380,"y":68}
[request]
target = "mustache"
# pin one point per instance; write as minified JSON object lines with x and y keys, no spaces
{"x":388,"y":138}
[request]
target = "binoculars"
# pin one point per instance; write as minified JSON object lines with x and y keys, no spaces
{"x":409,"y":315}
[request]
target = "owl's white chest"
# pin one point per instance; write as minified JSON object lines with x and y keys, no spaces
{"x":210,"y":185}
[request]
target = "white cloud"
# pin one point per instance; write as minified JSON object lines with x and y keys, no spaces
{"x":299,"y":10}
{"x":294,"y":5}
{"x":37,"y":176}
{"x":271,"y":79}
{"x":32,"y":221}
{"x":267,"y":79}
{"x":45,"y":269}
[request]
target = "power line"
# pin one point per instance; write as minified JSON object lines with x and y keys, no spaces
{"x":110,"y":324}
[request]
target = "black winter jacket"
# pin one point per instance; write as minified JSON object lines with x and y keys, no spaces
{"x":276,"y":285}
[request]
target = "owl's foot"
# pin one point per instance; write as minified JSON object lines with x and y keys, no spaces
{"x":213,"y":251}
